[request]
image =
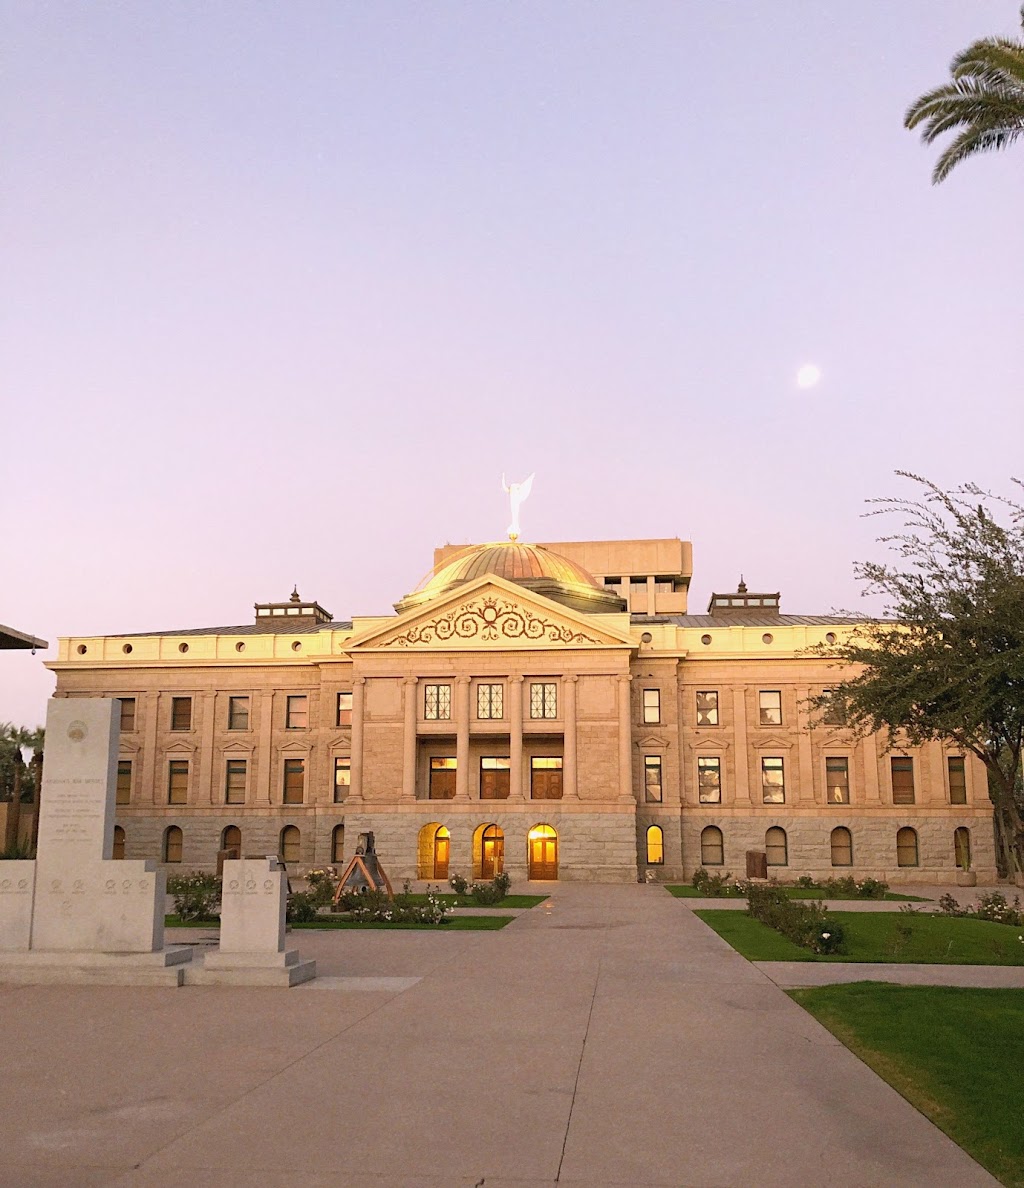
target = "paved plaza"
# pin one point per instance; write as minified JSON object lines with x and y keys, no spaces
{"x":606,"y":1038}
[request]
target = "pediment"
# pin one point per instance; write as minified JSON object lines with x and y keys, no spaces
{"x":301,"y":748}
{"x":238,"y":748}
{"x":179,"y":747}
{"x":772,"y":744}
{"x":494,"y":613}
{"x":712,"y":745}
{"x":651,"y":741}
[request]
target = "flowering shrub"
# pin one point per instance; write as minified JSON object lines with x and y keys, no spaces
{"x":805,"y":924}
{"x":865,"y":889}
{"x":321,"y":882}
{"x":714,"y":886}
{"x":992,"y":906}
{"x":303,"y":907}
{"x":196,"y":895}
{"x":375,"y":907}
{"x":486,"y":894}
{"x":458,"y":884}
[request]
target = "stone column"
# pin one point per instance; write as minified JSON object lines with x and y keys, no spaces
{"x":516,"y":790}
{"x":462,"y":738}
{"x":742,"y":761}
{"x":409,"y":739}
{"x":153,"y":777}
{"x":569,"y":788}
{"x":872,"y":789}
{"x":650,"y":595}
{"x":208,"y":784}
{"x":355,"y":791}
{"x":625,"y":740}
{"x":805,"y":773}
{"x":263,"y":755}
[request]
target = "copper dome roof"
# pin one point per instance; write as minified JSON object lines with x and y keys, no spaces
{"x":534,"y":566}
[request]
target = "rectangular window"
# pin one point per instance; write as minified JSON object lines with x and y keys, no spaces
{"x":234,"y":781}
{"x":957,"y":779}
{"x":490,"y":701}
{"x":837,"y":779}
{"x":342,"y":779}
{"x":709,"y":779}
{"x":344,"y":714}
{"x":544,"y":700}
{"x":707,"y":707}
{"x":652,"y":705}
{"x":902,"y":769}
{"x":770,"y":706}
{"x":652,"y":779}
{"x":494,"y":777}
{"x":442,"y":777}
{"x":124,"y":782}
{"x":181,"y":713}
{"x":127,"y":714}
{"x":773,"y":780}
{"x":294,"y":781}
{"x":437,"y":703}
{"x":546,"y":777}
{"x":238,"y":713}
{"x":297,"y":713}
{"x":832,"y":711}
{"x":177,"y":781}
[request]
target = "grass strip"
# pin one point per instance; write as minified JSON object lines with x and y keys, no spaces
{"x":954,"y":1053}
{"x":687,"y":892}
{"x":882,"y":937}
{"x":327,"y":923}
{"x":510,"y":901}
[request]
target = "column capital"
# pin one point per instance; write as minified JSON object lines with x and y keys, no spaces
{"x":359,"y":680}
{"x":408,"y":680}
{"x":571,"y":679}
{"x":516,"y":680}
{"x":463,"y":680}
{"x":623,"y":680}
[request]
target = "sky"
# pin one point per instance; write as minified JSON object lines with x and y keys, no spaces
{"x":288,"y":286}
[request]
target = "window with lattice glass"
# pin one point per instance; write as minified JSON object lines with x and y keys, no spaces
{"x":124,"y":782}
{"x":238,"y":713}
{"x":342,"y":778}
{"x":773,"y":780}
{"x":127,"y":714}
{"x":297,"y":712}
{"x":837,"y":779}
{"x":234,"y":781}
{"x":490,"y":701}
{"x":902,"y":770}
{"x":707,"y":707}
{"x":957,"y":779}
{"x":177,"y":781}
{"x":709,"y":779}
{"x":544,"y":699}
{"x":294,"y":781}
{"x":181,"y":713}
{"x":652,"y":706}
{"x":344,"y":709}
{"x":769,"y":703}
{"x":652,"y":779}
{"x":437,"y":702}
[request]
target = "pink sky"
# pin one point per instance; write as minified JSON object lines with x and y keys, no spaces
{"x":288,"y":286}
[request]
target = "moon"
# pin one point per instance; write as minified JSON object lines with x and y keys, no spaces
{"x":808,"y":376}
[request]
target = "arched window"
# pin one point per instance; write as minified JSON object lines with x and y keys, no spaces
{"x":906,"y":847}
{"x":962,"y":847}
{"x":231,"y":839}
{"x":542,"y":853}
{"x":842,"y":847}
{"x":172,"y":844}
{"x":338,"y":844}
{"x":776,"y":847}
{"x":118,"y":851}
{"x":655,"y":846}
{"x":712,"y":847}
{"x":290,"y":844}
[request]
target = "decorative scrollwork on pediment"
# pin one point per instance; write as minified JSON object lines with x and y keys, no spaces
{"x":490,"y":621}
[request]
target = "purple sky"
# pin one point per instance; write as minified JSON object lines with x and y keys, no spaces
{"x":287,"y":286}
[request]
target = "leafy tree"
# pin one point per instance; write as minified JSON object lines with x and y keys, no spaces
{"x":949,"y":662}
{"x":985,"y":101}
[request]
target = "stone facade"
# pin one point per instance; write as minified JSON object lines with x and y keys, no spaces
{"x":366,"y":725}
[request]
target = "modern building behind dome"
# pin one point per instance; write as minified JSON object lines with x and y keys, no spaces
{"x":533,"y":566}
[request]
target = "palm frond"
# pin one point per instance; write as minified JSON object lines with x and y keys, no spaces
{"x":996,"y":60}
{"x":970,"y":142}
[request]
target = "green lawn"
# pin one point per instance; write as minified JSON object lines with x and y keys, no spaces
{"x":954,"y":1053}
{"x":874,"y":936}
{"x":458,"y":923}
{"x":688,"y":892}
{"x":510,"y":901}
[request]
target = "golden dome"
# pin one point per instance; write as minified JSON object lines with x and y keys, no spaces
{"x":533,"y":566}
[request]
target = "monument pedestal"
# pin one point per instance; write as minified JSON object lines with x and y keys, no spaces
{"x":43,"y":967}
{"x":251,"y":969}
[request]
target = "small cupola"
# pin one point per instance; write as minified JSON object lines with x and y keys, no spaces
{"x":296,"y":612}
{"x":743,"y":602}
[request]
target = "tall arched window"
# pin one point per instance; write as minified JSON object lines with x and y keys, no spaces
{"x":962,"y":847}
{"x":776,"y":847}
{"x":712,"y":847}
{"x":906,"y":846}
{"x":290,"y":844}
{"x":231,"y":838}
{"x":172,"y":844}
{"x":655,"y":846}
{"x":338,"y":844}
{"x":118,"y":851}
{"x":842,"y":847}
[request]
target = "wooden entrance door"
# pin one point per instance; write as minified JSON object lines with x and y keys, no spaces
{"x":441,"y":843}
{"x":546,"y":778}
{"x":543,"y":854}
{"x":492,"y":857}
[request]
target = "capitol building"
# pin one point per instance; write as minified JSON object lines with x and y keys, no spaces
{"x":551,"y":710}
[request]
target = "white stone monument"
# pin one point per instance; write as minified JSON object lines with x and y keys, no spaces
{"x":75,"y":914}
{"x":252,"y":916}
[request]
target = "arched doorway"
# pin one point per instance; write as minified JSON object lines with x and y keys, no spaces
{"x":432,"y":851}
{"x":492,"y":852}
{"x":231,"y":839}
{"x":543,"y":857}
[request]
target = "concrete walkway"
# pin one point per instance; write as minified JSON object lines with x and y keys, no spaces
{"x":606,"y":1039}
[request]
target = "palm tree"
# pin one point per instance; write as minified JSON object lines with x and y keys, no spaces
{"x":16,"y":737}
{"x":36,"y":739}
{"x":985,"y":100}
